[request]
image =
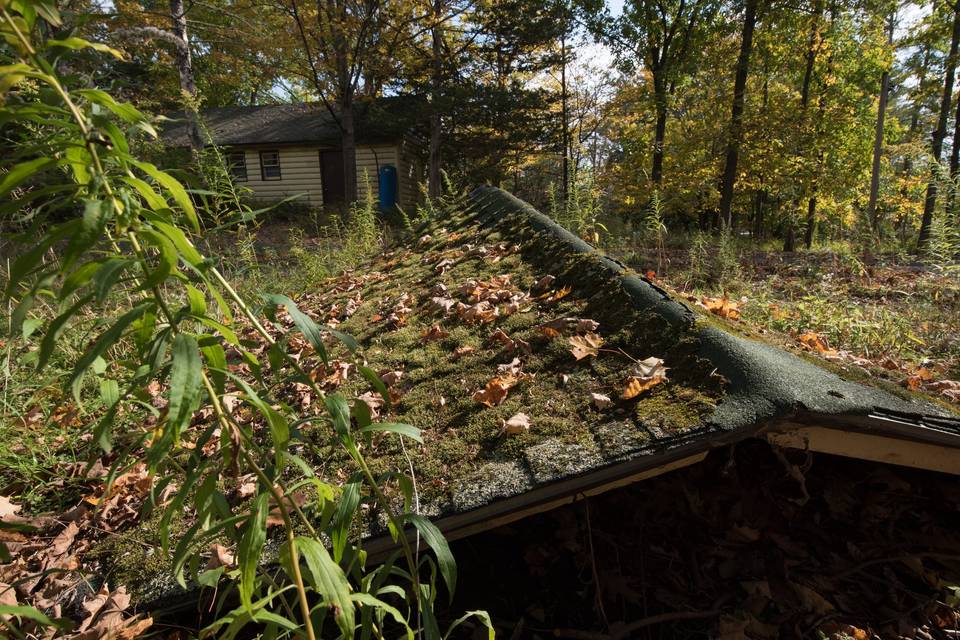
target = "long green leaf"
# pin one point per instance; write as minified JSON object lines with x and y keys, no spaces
{"x":482,"y":616}
{"x":21,"y":172}
{"x":403,"y":429}
{"x":49,"y":342}
{"x":329,"y":581}
{"x":434,"y":538}
{"x":343,"y":517}
{"x":173,"y":187}
{"x":104,"y":342}
{"x":186,"y":381}
{"x":310,"y":329}
{"x":80,"y":43}
{"x":376,"y":603}
{"x":250,"y":548}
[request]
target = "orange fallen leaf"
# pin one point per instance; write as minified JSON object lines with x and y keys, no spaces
{"x":816,"y":342}
{"x":586,"y":345}
{"x":495,"y":391}
{"x":646,"y":374}
{"x":723,"y":307}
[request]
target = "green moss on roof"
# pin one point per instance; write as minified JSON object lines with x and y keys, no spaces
{"x":463,"y":438}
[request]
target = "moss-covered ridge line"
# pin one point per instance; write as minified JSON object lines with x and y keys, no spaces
{"x":765,"y":383}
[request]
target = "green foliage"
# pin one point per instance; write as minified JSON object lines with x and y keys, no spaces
{"x":116,"y":252}
{"x":582,"y":210}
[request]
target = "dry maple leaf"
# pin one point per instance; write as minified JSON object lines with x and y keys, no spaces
{"x":463,"y":350}
{"x":391,"y":378}
{"x":511,"y":344}
{"x":586,"y":345}
{"x":495,"y":391}
{"x":220,"y":556}
{"x":519,"y":423}
{"x":554,"y":296}
{"x":435,"y":332}
{"x":644,"y":375}
{"x":373,"y":401}
{"x":723,"y":307}
{"x":441,"y":304}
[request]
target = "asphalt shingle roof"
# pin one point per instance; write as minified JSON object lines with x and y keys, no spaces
{"x":380,"y":120}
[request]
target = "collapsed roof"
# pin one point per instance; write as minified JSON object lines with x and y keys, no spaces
{"x":540,"y":370}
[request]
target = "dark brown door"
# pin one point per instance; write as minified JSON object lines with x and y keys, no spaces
{"x":331,"y":168}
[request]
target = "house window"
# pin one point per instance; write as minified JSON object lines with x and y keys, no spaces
{"x":270,"y":165}
{"x":237,"y":163}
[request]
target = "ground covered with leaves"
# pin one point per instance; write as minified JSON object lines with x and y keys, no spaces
{"x":738,"y":546}
{"x":883,"y":316}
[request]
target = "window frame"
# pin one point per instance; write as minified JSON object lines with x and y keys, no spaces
{"x":263,"y":167}
{"x":233,"y":167}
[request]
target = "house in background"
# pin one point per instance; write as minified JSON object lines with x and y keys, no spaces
{"x":281,"y":150}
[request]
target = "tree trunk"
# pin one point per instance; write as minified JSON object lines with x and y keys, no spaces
{"x":954,"y":162}
{"x":789,"y":239}
{"x":811,"y":218}
{"x":736,"y":117}
{"x":936,"y":142}
{"x":188,"y":87}
{"x":435,"y":188}
{"x":660,"y":133}
{"x":348,"y":142}
{"x":878,"y":137}
{"x":564,"y":115}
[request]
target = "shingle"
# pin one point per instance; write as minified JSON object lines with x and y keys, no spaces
{"x":380,"y":120}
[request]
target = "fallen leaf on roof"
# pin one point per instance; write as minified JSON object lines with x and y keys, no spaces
{"x":461,"y":351}
{"x":586,"y":345}
{"x":555,"y":295}
{"x":289,"y":502}
{"x":542,"y":284}
{"x":220,"y":556}
{"x":442,"y":304}
{"x":511,"y":344}
{"x":391,"y":378}
{"x":495,"y":391}
{"x":519,"y":423}
{"x":600,"y":401}
{"x":722,"y":306}
{"x":644,"y":375}
{"x":435,"y":332}
{"x":558,"y":326}
{"x":373,"y":401}
{"x":479,"y":313}
{"x":917,"y":378}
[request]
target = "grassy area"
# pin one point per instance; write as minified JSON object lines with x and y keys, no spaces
{"x":891,"y":316}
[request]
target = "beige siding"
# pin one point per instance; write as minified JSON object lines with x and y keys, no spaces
{"x":300,"y":173}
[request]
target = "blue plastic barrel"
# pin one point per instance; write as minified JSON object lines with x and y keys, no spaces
{"x":388,"y":187}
